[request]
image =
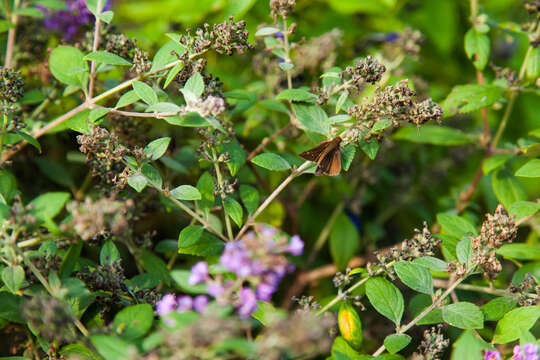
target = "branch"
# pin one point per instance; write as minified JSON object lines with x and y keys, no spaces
{"x":12,"y":34}
{"x":95,"y":46}
{"x":267,"y":141}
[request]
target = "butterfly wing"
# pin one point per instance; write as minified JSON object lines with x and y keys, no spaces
{"x":315,"y":153}
{"x":335,"y":164}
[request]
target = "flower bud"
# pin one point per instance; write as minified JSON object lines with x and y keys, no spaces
{"x":350,"y":325}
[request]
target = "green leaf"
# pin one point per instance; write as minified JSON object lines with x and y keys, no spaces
{"x":520,"y":251}
{"x":165,"y":55}
{"x":350,"y":325}
{"x":153,"y":264}
{"x":456,"y":225}
{"x":496,"y":308}
{"x":250,"y":198}
{"x":494,"y":162}
{"x":189,"y":235}
{"x":109,"y":253}
{"x":105,"y":57}
{"x":385,"y":298}
{"x":110,"y":347}
{"x":533,"y":64}
{"x":431,"y":262}
{"x":466,"y":98}
{"x":234,"y":210}
{"x":312,"y":118}
{"x":464,"y":251}
{"x":186,"y":192}
{"x":267,"y":30}
{"x":435,"y":135}
{"x":507,"y":188}
{"x":469,"y":346}
{"x":477,"y":46}
{"x":68,"y":66}
{"x":301,"y":95}
{"x":207,"y":245}
{"x":137,"y":182}
{"x":71,"y":258}
{"x":181,"y":278}
{"x":106,"y":16}
{"x":341,"y":350}
{"x":510,"y":326}
{"x":521,"y":209}
{"x":271,"y":161}
{"x":344,"y":241}
{"x":92,"y":5}
{"x":415,"y":276}
{"x":145,"y":92}
{"x":205,"y":185}
{"x":530,"y":169}
{"x":195,"y":85}
{"x":56,"y":172}
{"x":29,"y":139}
{"x":370,"y":148}
{"x":133,"y":321}
{"x":347,"y":156}
{"x":396,"y":342}
{"x":128,"y":98}
{"x":463,"y":315}
{"x":155,"y":149}
{"x":172,"y":74}
{"x":267,"y":314}
{"x":11,"y":307}
{"x":152,"y":176}
{"x":163,"y":107}
{"x":48,"y":205}
{"x":237,"y":156}
{"x":13,"y":277}
{"x":78,"y":351}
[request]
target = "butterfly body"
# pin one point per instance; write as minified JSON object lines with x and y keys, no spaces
{"x":327,"y":156}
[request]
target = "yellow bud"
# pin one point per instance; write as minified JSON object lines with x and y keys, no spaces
{"x":350,"y":325}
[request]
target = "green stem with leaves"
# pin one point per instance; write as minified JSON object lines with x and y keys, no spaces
{"x":222,"y":194}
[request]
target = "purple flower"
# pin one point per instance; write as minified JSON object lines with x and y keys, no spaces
{"x":529,"y":350}
{"x":235,"y":259}
{"x":199,"y":273}
{"x":215,"y":289}
{"x":184,"y":304}
{"x":248,"y":302}
{"x":166,"y":305}
{"x":70,"y":20}
{"x":391,"y":37}
{"x":200,"y":303}
{"x":265,"y":291}
{"x":492,"y":355}
{"x":296,"y":246}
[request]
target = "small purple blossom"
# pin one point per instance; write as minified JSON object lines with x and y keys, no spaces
{"x":248,"y":302}
{"x":166,"y":305}
{"x":184,"y":304}
{"x":199,"y":273}
{"x":492,"y":355}
{"x":391,"y":37}
{"x":265,"y":291}
{"x":69,"y":21}
{"x":215,"y":289}
{"x":296,"y":246}
{"x":200,"y":303}
{"x":527,"y":352}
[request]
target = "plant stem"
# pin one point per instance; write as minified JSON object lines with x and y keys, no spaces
{"x":426,"y":311}
{"x":512,"y":100}
{"x":287,"y":51}
{"x":271,"y":197}
{"x":220,"y":182}
{"x":88,"y":104}
{"x":492,"y":291}
{"x":341,"y":296}
{"x":95,"y":46}
{"x":267,"y":141}
{"x":3,"y":130}
{"x":11,"y":34}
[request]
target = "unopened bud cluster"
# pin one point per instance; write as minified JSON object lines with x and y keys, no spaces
{"x":281,"y":7}
{"x":433,"y":344}
{"x":11,"y":88}
{"x":366,"y":70}
{"x":527,"y":292}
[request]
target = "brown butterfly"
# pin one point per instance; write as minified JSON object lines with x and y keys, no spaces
{"x":327,"y":157}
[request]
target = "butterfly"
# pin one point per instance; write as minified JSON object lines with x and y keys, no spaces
{"x":327,"y":157}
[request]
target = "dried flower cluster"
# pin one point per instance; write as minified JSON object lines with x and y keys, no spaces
{"x":422,"y":244}
{"x":281,"y":7}
{"x":120,"y":45}
{"x":257,"y":260}
{"x":497,"y":230}
{"x":225,"y":38}
{"x":104,"y":155}
{"x":366,"y":70}
{"x":527,"y":292}
{"x":101,"y":217}
{"x":50,"y":318}
{"x":433,"y":344}
{"x":408,"y":42}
